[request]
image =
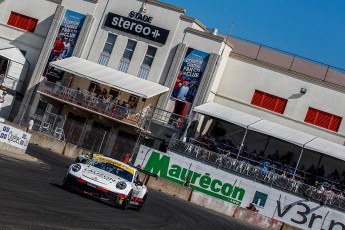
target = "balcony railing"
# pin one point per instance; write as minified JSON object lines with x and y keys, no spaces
{"x":88,"y":100}
{"x":143,"y":72}
{"x":230,"y":161}
{"x":103,"y":60}
{"x":123,"y":65}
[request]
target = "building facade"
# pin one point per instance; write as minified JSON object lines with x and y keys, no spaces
{"x":167,"y":50}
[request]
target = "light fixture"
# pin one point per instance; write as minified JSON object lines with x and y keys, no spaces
{"x":303,"y":90}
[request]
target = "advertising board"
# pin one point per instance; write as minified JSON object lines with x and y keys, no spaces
{"x":273,"y":203}
{"x":14,"y":136}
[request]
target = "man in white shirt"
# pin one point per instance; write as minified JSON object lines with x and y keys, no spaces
{"x":183,"y":91}
{"x":67,"y":45}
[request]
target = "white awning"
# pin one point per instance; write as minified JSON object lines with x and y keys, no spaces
{"x":272,"y":129}
{"x":111,"y":77}
{"x":281,"y":132}
{"x":12,"y":53}
{"x":227,"y":114}
{"x":17,"y":66}
{"x":327,"y":147}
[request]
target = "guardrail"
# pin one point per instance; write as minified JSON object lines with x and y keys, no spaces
{"x":267,"y":175}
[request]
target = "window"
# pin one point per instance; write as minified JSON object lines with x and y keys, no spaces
{"x":23,"y":22}
{"x":150,"y":55}
{"x":323,"y":119}
{"x":146,"y":66}
{"x":107,"y":49}
{"x":129,"y":50}
{"x":268,"y":101}
{"x":127,"y":56}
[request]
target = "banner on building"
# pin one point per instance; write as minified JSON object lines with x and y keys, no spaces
{"x":14,"y":137}
{"x":190,"y":75}
{"x":65,"y":41}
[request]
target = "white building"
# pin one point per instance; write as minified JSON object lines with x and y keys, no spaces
{"x":150,"y":40}
{"x":163,"y":64}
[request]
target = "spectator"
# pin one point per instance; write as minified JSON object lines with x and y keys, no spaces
{"x":275,"y":156}
{"x":104,"y":92}
{"x":284,"y":174}
{"x":30,"y":125}
{"x":98,"y":90}
{"x":320,"y":171}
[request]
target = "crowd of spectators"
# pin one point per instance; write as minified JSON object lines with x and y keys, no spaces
{"x":282,"y":164}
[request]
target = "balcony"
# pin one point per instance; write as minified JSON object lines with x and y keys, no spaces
{"x":107,"y":107}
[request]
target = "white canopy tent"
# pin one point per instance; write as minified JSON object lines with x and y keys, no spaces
{"x":293,"y":136}
{"x":111,"y":77}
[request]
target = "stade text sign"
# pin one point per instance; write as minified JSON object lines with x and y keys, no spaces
{"x":137,"y":27}
{"x":161,"y":165}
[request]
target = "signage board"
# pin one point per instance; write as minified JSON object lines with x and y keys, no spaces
{"x":271,"y":202}
{"x":65,"y":42}
{"x":14,"y":136}
{"x":137,"y":27}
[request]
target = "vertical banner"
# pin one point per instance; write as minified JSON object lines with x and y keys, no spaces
{"x":190,"y":75}
{"x":65,"y":41}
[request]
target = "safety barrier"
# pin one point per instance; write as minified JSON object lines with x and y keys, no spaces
{"x":170,"y":188}
{"x":212,"y":203}
{"x":220,"y":206}
{"x":257,"y":219}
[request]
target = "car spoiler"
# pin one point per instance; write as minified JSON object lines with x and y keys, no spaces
{"x":147,"y":173}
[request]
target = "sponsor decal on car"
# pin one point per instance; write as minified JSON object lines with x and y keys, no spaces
{"x":99,"y":174}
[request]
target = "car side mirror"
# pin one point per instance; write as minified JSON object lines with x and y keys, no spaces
{"x":139,"y":183}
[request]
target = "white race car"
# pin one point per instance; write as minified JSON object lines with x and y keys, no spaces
{"x":108,"y":180}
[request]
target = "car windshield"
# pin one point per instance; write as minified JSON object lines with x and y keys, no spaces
{"x":113,"y":169}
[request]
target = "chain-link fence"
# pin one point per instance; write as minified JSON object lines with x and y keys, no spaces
{"x":266,"y":174}
{"x":91,"y":138}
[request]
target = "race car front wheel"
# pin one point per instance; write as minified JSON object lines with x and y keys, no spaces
{"x":141,"y":205}
{"x":126,"y":201}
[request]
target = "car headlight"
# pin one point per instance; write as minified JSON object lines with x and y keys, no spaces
{"x":76,"y":167}
{"x":121,"y":185}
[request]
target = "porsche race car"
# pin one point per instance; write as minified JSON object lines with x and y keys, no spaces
{"x":108,"y":180}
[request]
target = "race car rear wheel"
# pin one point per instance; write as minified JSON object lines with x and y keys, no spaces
{"x":126,"y":201}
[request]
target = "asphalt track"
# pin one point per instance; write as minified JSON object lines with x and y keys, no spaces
{"x":31,"y":197}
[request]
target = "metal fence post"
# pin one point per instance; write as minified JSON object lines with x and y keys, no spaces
{"x":100,"y":146}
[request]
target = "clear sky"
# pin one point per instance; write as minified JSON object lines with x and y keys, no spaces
{"x":314,"y":29}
